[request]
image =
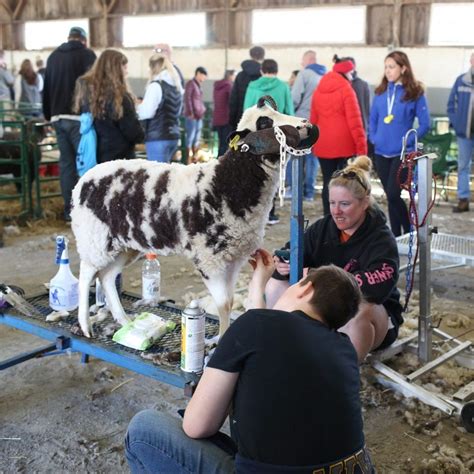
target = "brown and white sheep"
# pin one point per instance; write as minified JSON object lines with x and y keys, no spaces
{"x":213,"y":213}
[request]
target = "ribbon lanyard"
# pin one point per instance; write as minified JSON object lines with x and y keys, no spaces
{"x":390,"y":103}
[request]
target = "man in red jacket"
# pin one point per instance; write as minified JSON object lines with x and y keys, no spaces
{"x":335,"y":110}
{"x":194,"y":110}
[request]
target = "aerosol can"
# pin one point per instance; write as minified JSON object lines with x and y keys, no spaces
{"x":64,"y":286}
{"x":192,"y":338}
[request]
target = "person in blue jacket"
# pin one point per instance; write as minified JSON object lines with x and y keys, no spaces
{"x":461,"y":117}
{"x":399,"y":99}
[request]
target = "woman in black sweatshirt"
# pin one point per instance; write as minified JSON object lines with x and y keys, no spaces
{"x":355,"y":237}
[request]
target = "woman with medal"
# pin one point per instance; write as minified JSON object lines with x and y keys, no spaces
{"x":399,"y":99}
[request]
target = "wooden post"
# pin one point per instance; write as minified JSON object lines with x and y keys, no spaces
{"x":397,"y":15}
{"x":107,"y":7}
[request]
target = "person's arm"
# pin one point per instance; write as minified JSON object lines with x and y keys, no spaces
{"x":263,"y":268}
{"x":453,"y":103}
{"x":46,"y":99}
{"x":366,"y":99}
{"x":210,"y":403}
{"x":90,"y":60}
{"x":297,"y":91}
{"x":188,"y":99}
{"x":423,"y":115}
{"x":314,"y":116}
{"x":153,"y":95}
{"x":209,"y":406}
{"x":380,"y":273}
{"x":373,"y":121}
{"x":250,"y":98}
{"x":129,"y":124}
{"x":39,"y":82}
{"x":354,"y":120}
{"x":289,"y":108}
{"x":234,"y":103}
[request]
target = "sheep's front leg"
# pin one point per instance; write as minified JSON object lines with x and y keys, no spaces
{"x":107,"y":277}
{"x":86,"y":275}
{"x":221,"y":286}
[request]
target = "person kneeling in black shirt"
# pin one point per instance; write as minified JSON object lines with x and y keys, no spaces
{"x":291,"y":380}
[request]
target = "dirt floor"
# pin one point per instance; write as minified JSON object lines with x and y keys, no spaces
{"x":58,"y":415}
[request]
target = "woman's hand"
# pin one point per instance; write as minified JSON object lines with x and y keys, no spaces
{"x":263,"y":267}
{"x":282,"y":268}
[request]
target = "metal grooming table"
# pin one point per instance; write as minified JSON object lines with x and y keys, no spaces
{"x":456,"y":249}
{"x":61,"y":339}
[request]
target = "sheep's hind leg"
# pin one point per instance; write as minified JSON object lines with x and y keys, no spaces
{"x":221,"y":287}
{"x":86,"y":275}
{"x":107,"y":277}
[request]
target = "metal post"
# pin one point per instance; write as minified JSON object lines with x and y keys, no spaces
{"x":424,"y":240}
{"x":296,"y":220}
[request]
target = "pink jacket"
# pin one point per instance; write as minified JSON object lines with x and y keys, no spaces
{"x":193,"y":104}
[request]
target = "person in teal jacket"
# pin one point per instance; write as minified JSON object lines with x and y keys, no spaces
{"x":398,"y":100}
{"x":269,"y":84}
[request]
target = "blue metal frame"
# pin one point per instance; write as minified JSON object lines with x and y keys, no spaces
{"x":296,"y":221}
{"x":64,"y":340}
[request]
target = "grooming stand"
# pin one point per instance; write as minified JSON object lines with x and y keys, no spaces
{"x":462,"y":402}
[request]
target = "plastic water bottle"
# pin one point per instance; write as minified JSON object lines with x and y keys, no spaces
{"x":151,"y":278}
{"x":193,"y":327}
{"x":100,"y":299}
{"x":99,"y":294}
{"x":64,"y":286}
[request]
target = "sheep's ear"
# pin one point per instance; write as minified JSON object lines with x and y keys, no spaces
{"x":235,"y":137}
{"x":267,"y":100}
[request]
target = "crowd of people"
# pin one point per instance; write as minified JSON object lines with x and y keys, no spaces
{"x":337,"y":101}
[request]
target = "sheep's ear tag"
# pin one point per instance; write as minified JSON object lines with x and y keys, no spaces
{"x":233,"y":142}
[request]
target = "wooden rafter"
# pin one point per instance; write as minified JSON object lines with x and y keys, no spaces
{"x":15,"y":13}
{"x":7,"y":8}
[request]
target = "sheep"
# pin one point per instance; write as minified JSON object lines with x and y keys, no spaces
{"x":213,"y":213}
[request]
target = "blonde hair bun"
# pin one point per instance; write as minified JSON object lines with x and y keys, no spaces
{"x":363,"y":162}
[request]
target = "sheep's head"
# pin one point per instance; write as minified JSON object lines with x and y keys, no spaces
{"x":265,"y":115}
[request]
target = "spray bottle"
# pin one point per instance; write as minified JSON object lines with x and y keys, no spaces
{"x":64,"y":286}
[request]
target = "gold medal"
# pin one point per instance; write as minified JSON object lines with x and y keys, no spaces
{"x":388,"y":118}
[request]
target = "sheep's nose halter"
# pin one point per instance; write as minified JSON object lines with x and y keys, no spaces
{"x":284,"y":149}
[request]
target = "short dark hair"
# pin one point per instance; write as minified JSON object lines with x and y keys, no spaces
{"x":336,"y":296}
{"x":201,"y":70}
{"x":257,"y":53}
{"x":76,"y":32}
{"x":229,"y":73}
{"x":270,"y":66}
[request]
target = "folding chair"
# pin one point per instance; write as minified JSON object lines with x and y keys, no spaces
{"x":442,"y":167}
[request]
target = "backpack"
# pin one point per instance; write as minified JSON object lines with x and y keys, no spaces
{"x":86,"y":157}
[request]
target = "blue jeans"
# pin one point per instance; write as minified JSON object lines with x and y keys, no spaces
{"x":193,"y":132}
{"x":68,"y":137}
{"x":156,"y":442}
{"x":223,"y":131}
{"x":311,"y":165}
{"x":465,"y":147}
{"x":161,"y":150}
